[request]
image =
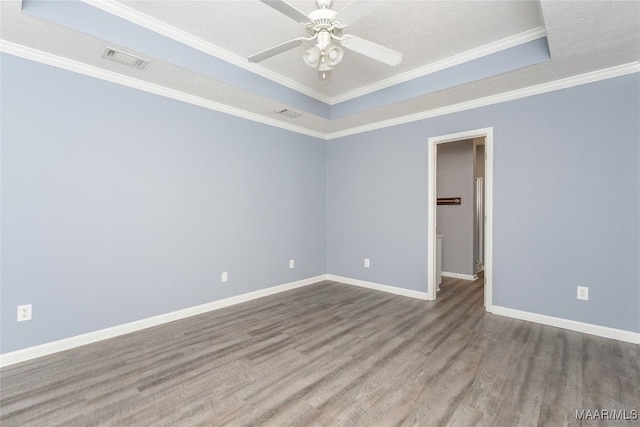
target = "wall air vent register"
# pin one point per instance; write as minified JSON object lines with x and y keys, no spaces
{"x":124,"y":58}
{"x":289,"y":113}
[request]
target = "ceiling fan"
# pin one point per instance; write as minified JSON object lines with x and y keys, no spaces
{"x":324,"y":26}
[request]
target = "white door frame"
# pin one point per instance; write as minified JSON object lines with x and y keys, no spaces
{"x":487,"y":133}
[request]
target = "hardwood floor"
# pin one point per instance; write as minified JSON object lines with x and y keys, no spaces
{"x":331,"y":354}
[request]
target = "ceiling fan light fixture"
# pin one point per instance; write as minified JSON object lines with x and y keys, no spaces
{"x":325,"y":70}
{"x":312,"y":56}
{"x":324,"y":65}
{"x":333,"y":55}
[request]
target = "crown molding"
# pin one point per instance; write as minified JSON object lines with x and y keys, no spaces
{"x":100,"y":73}
{"x":125,"y":12}
{"x":581,"y":79}
{"x":469,"y":55}
{"x":78,"y":67}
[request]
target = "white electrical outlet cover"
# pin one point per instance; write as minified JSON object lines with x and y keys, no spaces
{"x":292,"y":263}
{"x":224,"y":277}
{"x":583,"y":293}
{"x":24,"y":312}
{"x":367,"y":263}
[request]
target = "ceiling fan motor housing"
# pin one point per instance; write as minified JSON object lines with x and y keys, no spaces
{"x":323,"y":19}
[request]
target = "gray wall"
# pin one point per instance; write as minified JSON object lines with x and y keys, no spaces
{"x":455,"y":170}
{"x":566,"y":201}
{"x":118,"y":205}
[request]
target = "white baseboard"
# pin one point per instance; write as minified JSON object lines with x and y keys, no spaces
{"x":459,"y":276}
{"x":103,"y":334}
{"x":378,"y":287}
{"x":572,"y":325}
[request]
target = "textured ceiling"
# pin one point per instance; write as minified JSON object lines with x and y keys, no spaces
{"x":582,"y":36}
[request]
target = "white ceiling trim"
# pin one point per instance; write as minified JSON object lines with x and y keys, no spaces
{"x":150,"y":23}
{"x":100,"y":73}
{"x":469,"y":55}
{"x":580,"y":79}
{"x":78,"y":67}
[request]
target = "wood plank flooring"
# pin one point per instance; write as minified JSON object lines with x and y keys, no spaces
{"x":331,"y":354}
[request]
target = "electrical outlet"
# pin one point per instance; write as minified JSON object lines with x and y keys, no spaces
{"x":583,"y":293}
{"x":292,"y":263}
{"x":24,"y":312}
{"x":367,"y":263}
{"x":224,"y":277}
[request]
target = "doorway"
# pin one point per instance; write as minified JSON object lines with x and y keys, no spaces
{"x":487,"y":229}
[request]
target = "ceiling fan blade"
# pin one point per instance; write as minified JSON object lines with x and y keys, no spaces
{"x":372,"y":50}
{"x":356,"y":10}
{"x":278,"y":49}
{"x":286,"y":9}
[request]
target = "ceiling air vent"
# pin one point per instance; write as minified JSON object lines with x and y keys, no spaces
{"x":124,"y":58}
{"x":289,"y":113}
